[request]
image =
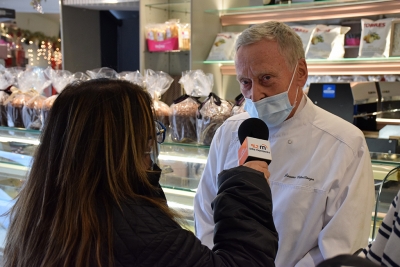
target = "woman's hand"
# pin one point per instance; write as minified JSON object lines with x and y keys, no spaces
{"x":260,"y":166}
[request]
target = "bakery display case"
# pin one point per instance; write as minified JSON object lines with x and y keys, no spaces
{"x":387,"y":184}
{"x":182,"y":166}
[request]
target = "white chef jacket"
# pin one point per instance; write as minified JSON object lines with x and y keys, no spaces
{"x":321,"y":181}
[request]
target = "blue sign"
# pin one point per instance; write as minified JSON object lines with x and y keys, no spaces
{"x":328,"y":90}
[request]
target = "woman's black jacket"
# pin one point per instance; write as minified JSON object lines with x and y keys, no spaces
{"x":244,"y":234}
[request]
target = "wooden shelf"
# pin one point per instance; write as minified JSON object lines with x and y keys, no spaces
{"x":338,"y":67}
{"x":307,"y":12}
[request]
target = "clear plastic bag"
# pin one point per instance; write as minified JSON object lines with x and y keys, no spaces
{"x":157,"y":83}
{"x":162,"y":112}
{"x":46,"y":106}
{"x":3,"y":108}
{"x":183,"y":119}
{"x":6,"y":78}
{"x":32,"y":82}
{"x":14,"y":105}
{"x":184,"y":109}
{"x":31,"y":112}
{"x":132,"y":76}
{"x":102,"y":73}
{"x":210,"y":115}
{"x":59,"y":79}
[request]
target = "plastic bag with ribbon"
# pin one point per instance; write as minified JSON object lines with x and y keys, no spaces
{"x":183,"y":119}
{"x":103,"y":73}
{"x":32,"y":82}
{"x":239,"y":105}
{"x":184,"y":109}
{"x":59,"y":79}
{"x":6,"y":80}
{"x":210,"y":115}
{"x":133,"y":76}
{"x":157,"y":83}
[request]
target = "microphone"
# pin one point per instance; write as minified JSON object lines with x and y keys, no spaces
{"x":253,"y":135}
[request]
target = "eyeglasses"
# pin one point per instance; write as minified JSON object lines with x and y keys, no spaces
{"x":160,"y":132}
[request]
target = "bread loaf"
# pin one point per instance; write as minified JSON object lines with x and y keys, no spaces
{"x":183,"y":119}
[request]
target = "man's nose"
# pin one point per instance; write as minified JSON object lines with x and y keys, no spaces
{"x":256,"y":93}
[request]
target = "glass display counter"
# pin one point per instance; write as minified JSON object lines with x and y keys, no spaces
{"x":182,"y":166}
{"x":387,"y":184}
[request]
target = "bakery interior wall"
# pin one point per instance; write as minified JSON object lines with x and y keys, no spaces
{"x":100,"y":38}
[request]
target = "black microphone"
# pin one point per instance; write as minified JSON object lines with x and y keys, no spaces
{"x":253,"y":135}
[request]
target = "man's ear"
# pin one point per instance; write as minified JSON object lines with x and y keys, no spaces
{"x":302,"y":73}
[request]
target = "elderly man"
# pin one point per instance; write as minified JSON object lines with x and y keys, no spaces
{"x":321,"y":174}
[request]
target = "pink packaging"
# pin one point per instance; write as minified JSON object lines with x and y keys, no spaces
{"x":166,"y":45}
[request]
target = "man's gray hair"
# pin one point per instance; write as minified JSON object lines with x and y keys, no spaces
{"x":289,"y":43}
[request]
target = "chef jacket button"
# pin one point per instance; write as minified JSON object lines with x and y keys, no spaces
{"x":289,"y":141}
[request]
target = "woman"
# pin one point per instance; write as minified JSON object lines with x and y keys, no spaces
{"x":92,"y":197}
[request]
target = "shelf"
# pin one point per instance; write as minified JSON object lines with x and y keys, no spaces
{"x":181,"y":7}
{"x":171,"y":51}
{"x":346,"y":66}
{"x":333,"y":9}
{"x":9,"y":134}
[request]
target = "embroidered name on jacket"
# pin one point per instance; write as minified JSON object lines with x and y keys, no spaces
{"x":299,"y":177}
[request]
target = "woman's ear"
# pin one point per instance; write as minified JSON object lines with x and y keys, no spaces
{"x":302,"y":74}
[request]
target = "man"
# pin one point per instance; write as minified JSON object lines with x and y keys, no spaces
{"x":321,"y":175}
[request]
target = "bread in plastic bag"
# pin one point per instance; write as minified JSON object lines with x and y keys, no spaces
{"x":183,"y":119}
{"x":157,"y":83}
{"x":32,"y":82}
{"x":184,"y":109}
{"x":162,"y":112}
{"x":210,"y":115}
{"x":31,"y":112}
{"x":14,"y":105}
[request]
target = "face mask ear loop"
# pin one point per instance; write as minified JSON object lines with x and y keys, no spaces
{"x":297,"y":88}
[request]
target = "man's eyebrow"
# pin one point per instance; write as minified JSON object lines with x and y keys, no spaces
{"x":239,"y":77}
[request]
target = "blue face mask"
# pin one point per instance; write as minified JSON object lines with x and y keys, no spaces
{"x":273,"y":110}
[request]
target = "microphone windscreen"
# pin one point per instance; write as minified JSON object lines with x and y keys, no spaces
{"x":253,"y":127}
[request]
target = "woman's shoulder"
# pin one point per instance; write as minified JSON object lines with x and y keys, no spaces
{"x":142,"y":213}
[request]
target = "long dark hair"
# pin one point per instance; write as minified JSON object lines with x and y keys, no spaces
{"x":90,"y":157}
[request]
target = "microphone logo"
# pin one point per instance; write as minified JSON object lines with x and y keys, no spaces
{"x":261,"y":147}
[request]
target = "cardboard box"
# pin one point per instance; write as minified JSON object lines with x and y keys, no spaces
{"x":159,"y":46}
